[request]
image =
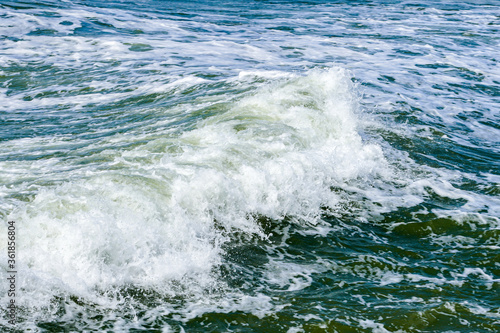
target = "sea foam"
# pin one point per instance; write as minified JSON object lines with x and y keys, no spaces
{"x":156,"y":218}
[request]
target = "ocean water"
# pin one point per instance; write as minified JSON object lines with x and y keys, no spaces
{"x":251,"y":166}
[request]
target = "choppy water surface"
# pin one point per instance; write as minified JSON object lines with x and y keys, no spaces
{"x":251,"y":166}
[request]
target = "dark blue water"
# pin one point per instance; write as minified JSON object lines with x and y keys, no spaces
{"x":259,"y":166}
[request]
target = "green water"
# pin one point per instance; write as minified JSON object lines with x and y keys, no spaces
{"x":282,"y":166}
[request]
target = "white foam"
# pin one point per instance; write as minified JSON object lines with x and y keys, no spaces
{"x":153,"y":208}
{"x":370,"y":324}
{"x":154,"y":217}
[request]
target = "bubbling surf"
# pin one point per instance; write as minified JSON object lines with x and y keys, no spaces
{"x":199,"y":166}
{"x":157,"y":216}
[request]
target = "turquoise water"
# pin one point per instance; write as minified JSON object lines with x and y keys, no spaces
{"x":258,"y":166}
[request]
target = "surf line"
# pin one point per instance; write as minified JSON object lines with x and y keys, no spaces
{"x":12,"y":272}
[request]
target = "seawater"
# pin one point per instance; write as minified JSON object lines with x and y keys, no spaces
{"x":258,"y":166}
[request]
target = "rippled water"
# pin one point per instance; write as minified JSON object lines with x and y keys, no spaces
{"x":269,"y":166}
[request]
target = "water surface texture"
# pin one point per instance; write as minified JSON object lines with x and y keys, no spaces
{"x":251,"y":166}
